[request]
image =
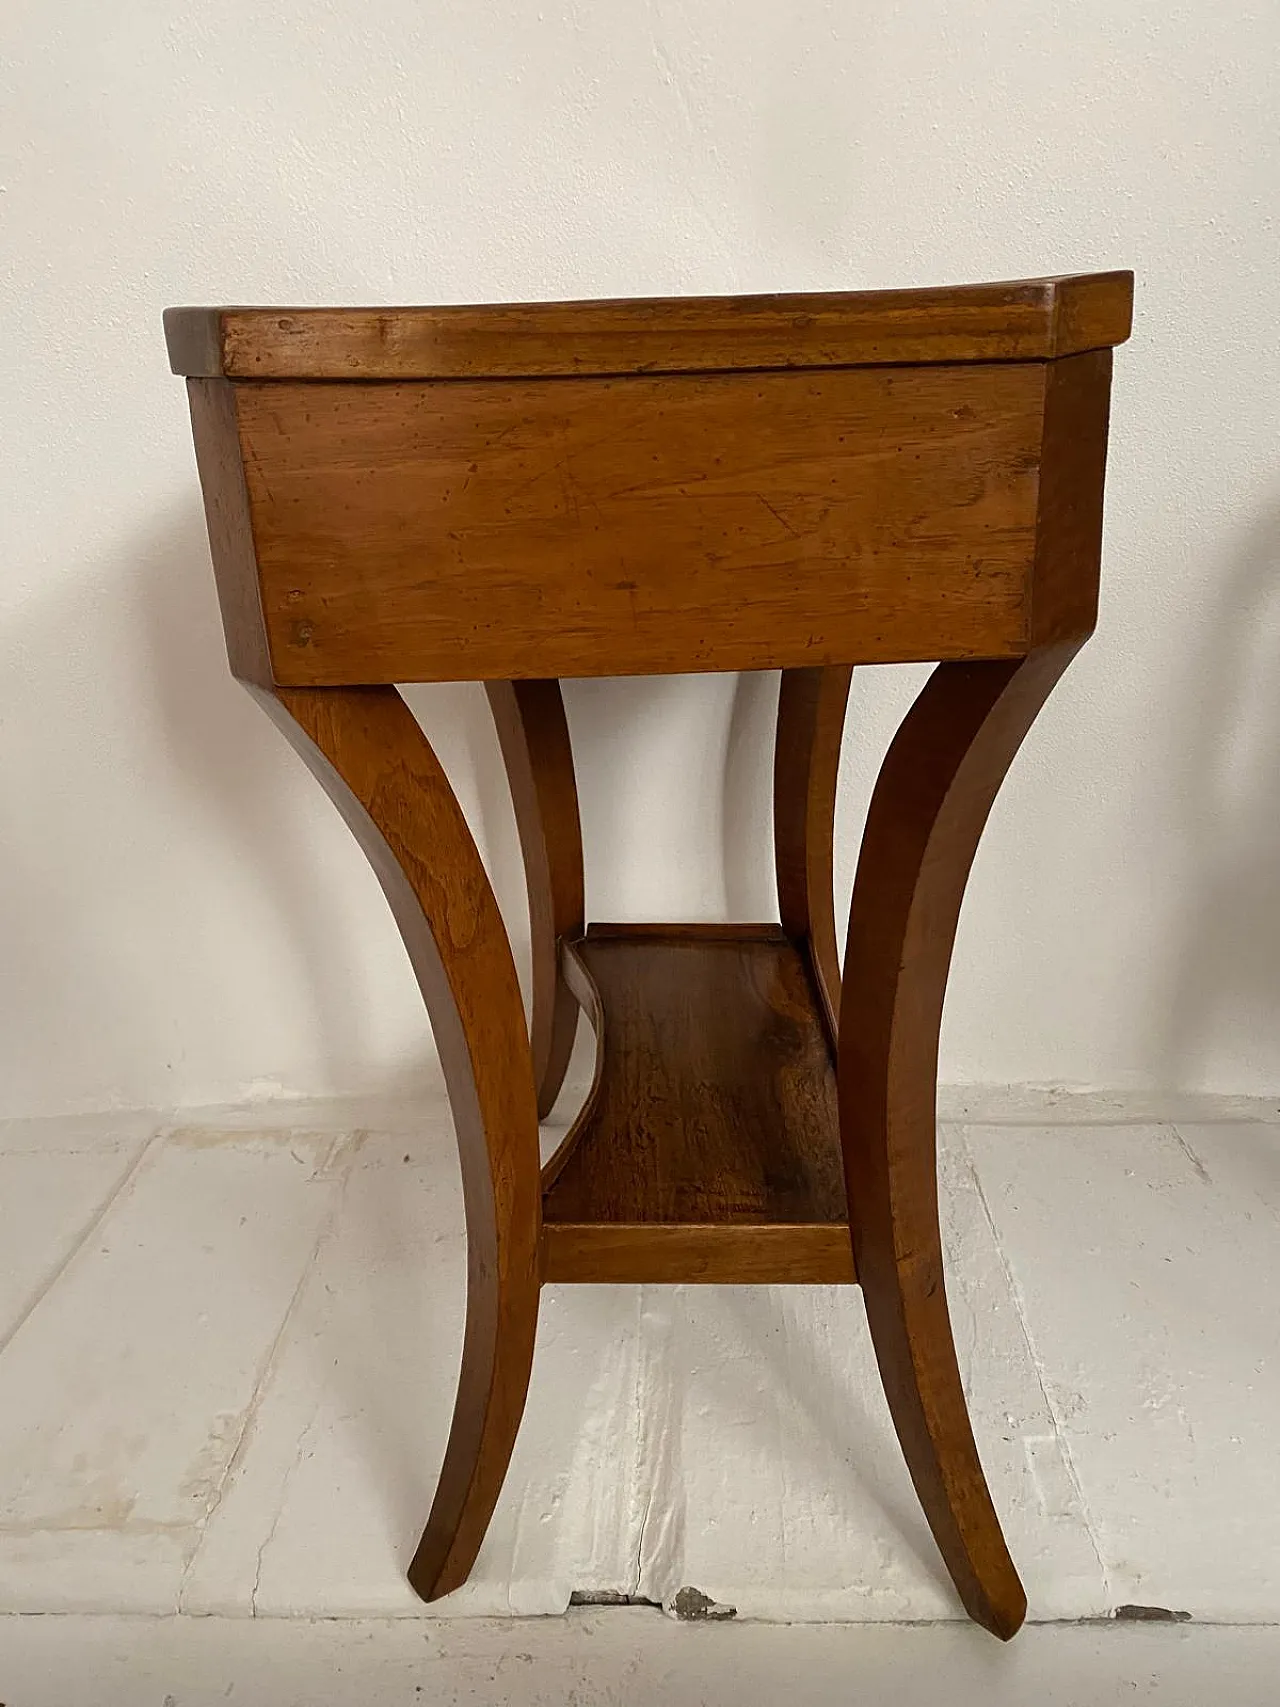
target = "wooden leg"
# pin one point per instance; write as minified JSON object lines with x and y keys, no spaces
{"x":378,"y":768}
{"x":534,"y":735}
{"x":936,"y":787}
{"x":806,"y":768}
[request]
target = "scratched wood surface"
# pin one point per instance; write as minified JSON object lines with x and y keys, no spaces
{"x":573,"y":527}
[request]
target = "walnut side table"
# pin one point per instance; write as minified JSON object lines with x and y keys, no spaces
{"x":519,"y":494}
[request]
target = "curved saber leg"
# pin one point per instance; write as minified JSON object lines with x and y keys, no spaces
{"x":365,"y":747}
{"x":930,"y":804}
{"x":533,"y":733}
{"x":806,"y":771}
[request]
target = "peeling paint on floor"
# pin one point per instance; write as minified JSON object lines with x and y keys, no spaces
{"x":233,"y":1350}
{"x":692,"y":1605}
{"x":1130,"y":1614}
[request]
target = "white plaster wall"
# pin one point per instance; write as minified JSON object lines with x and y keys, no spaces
{"x":181,"y":916}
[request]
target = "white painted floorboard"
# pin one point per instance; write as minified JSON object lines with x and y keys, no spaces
{"x":229,"y":1352}
{"x":57,"y":1178}
{"x":623,"y":1657}
{"x":1147,"y":1262}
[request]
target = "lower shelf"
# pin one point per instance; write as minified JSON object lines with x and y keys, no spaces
{"x":709,"y":1147}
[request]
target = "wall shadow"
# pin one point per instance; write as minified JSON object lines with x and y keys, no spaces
{"x":1224,"y":962}
{"x":224,"y":757}
{"x":126,"y":728}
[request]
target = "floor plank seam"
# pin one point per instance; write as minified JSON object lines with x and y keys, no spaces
{"x":639,"y":1493}
{"x":1037,"y":1363}
{"x":463,"y":1625}
{"x":263,"y":1383}
{"x":661,"y":1551}
{"x":294,"y":1465}
{"x":114,"y":1195}
{"x":1198,"y":1166}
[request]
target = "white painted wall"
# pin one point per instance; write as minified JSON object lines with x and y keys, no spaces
{"x":181,"y":916}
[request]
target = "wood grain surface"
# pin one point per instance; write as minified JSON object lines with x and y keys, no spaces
{"x":930,"y":803}
{"x":645,"y":1253}
{"x":806,"y":773}
{"x":366,"y":749}
{"x":499,"y":531}
{"x":534,"y":736}
{"x":216,"y":432}
{"x":1031,"y":319}
{"x":1073,"y":466}
{"x":716,"y":1098}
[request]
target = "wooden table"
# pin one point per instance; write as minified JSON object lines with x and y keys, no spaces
{"x":519,"y":494}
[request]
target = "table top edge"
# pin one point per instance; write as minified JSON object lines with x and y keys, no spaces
{"x":1019,"y":320}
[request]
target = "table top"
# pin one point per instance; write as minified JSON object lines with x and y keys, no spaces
{"x":1026,"y":320}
